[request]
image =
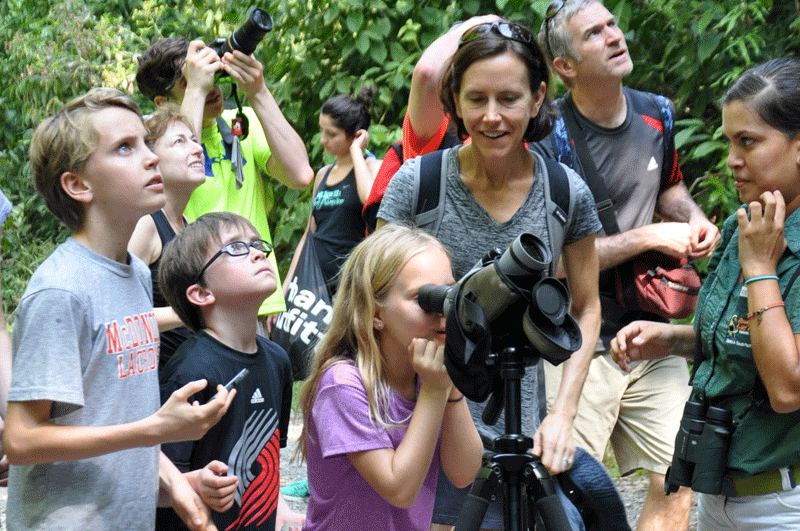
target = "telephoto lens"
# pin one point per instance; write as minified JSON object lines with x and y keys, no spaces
{"x":245,"y":38}
{"x":251,"y":32}
{"x":712,"y":453}
{"x":686,"y":444}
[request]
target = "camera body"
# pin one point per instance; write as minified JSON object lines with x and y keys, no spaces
{"x":701,"y":449}
{"x":246,"y":37}
{"x":506,"y":300}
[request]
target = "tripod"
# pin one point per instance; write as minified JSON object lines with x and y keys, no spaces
{"x":511,"y":466}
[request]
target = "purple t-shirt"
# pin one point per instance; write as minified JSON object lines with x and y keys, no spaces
{"x":341,"y":499}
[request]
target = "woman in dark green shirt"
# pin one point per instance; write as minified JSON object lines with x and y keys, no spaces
{"x":744,"y":413}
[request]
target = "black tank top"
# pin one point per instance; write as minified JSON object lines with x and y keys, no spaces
{"x":171,"y":339}
{"x":340,"y":226}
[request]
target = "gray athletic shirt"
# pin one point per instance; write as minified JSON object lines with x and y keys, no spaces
{"x":86,"y":338}
{"x":468,"y":232}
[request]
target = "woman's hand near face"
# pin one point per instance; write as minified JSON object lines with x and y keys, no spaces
{"x":427,"y":358}
{"x":761,"y":239}
{"x":360,"y":141}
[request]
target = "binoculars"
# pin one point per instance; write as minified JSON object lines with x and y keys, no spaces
{"x":701,"y":449}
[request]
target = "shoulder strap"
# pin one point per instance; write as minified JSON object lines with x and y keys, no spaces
{"x":653,"y":105}
{"x":605,"y":207}
{"x":430,"y":186}
{"x":397,"y":146}
{"x":324,"y":181}
{"x":558,"y":202}
{"x":164,"y":229}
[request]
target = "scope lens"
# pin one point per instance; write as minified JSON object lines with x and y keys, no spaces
{"x":432,"y":298}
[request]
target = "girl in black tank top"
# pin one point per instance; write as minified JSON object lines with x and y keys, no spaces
{"x":340,"y":189}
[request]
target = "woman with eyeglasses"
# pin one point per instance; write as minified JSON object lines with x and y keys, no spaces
{"x":495,"y":91}
{"x":182,"y":168}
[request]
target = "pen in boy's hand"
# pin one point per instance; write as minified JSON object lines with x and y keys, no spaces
{"x":235,"y":380}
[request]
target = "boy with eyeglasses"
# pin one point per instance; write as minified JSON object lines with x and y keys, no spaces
{"x":215,"y":275}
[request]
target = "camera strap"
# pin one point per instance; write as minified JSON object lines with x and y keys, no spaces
{"x":232,"y":135}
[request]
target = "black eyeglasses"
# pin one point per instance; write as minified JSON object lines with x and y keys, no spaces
{"x":549,"y":14}
{"x":237,"y":249}
{"x":505,"y":29}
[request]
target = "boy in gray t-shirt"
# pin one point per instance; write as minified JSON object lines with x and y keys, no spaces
{"x":83,"y":423}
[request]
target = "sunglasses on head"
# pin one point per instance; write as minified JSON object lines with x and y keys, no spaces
{"x":549,"y":14}
{"x":508,"y":30}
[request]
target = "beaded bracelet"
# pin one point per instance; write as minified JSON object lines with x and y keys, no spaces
{"x":763,"y":277}
{"x":459,"y":399}
{"x":759,"y":313}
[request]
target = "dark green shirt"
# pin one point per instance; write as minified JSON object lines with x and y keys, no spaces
{"x":727,"y":376}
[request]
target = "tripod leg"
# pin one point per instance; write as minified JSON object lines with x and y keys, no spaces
{"x":483,"y":491}
{"x":544,"y":505}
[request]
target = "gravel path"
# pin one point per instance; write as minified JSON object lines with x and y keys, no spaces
{"x":633,"y":488}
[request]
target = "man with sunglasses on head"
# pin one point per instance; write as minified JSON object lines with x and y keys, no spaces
{"x":184,"y":72}
{"x":638,"y":412}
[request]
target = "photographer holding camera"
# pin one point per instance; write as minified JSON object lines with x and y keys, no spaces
{"x":190,"y":73}
{"x":737,"y":443}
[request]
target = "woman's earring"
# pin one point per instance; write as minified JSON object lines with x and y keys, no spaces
{"x":378,"y":324}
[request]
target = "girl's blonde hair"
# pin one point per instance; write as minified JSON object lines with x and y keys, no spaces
{"x":365,"y":280}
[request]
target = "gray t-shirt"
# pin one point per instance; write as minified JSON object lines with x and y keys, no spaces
{"x":629,"y":159}
{"x":468,"y":232}
{"x":86,"y":338}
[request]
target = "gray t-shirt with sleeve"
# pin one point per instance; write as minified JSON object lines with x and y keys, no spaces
{"x":468,"y":232}
{"x":86,"y":338}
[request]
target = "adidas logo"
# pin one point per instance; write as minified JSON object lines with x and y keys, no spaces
{"x":653,"y":164}
{"x":257,"y":398}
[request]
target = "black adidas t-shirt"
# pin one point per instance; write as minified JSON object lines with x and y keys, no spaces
{"x":248,"y":438}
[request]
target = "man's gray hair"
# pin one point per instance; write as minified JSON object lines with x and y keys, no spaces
{"x":559,"y":38}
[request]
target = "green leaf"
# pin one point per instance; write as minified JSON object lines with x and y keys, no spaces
{"x":354,"y":20}
{"x":379,"y":52}
{"x":362,"y":43}
{"x":707,"y":45}
{"x":706,"y":148}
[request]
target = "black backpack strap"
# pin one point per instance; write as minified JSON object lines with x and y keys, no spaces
{"x":398,"y":149}
{"x":558,"y":203}
{"x":559,"y":189}
{"x":430,"y":185}
{"x":605,"y":207}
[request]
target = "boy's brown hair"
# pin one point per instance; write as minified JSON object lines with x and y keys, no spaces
{"x":160,"y":66}
{"x":63,"y":142}
{"x":184,"y":257}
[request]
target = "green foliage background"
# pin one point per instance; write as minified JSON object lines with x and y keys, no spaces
{"x":55,"y":50}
